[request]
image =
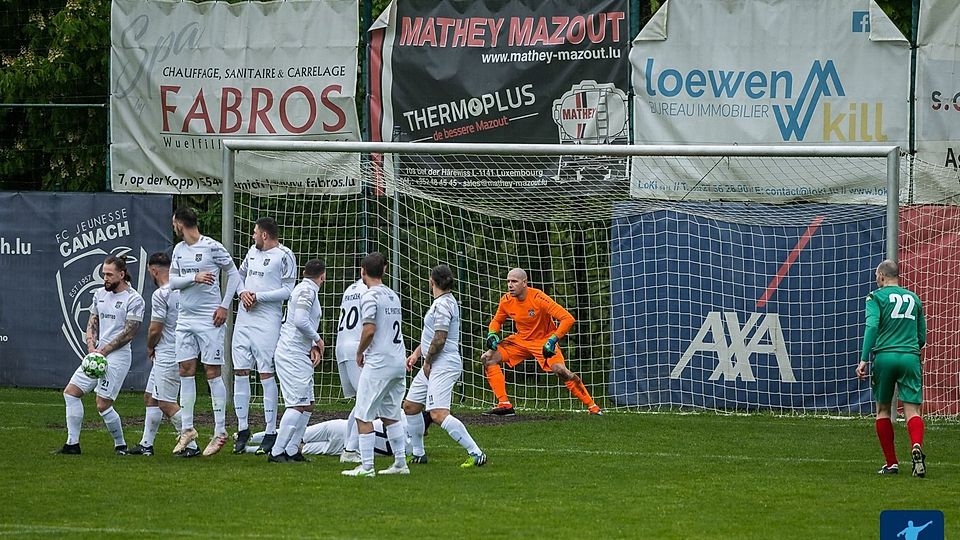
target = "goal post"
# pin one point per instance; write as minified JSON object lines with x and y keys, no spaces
{"x":701,"y":276}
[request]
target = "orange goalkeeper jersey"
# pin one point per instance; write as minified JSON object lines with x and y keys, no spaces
{"x":533,"y":316}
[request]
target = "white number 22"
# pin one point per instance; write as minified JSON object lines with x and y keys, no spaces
{"x":898,"y":309}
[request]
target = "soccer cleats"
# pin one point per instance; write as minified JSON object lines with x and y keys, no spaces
{"x":240,"y":440}
{"x":350,"y":456}
{"x":360,"y":471}
{"x":216,"y":443}
{"x":120,"y":450}
{"x":501,"y":410}
{"x":395,"y":468}
{"x":918,"y":458}
{"x":299,"y":458}
{"x":417,"y":460}
{"x":266,"y":445}
{"x":69,"y":449}
{"x":282,"y":458}
{"x":475,"y":460}
{"x":595,"y":410}
{"x":187,"y":436}
{"x":141,"y":450}
{"x":189,"y":452}
{"x":889,"y":469}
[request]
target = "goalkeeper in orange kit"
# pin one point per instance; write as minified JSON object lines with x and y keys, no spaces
{"x":536,"y":336}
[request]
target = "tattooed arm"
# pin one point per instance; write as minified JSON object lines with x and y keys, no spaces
{"x":93,"y":332}
{"x":129,"y":330}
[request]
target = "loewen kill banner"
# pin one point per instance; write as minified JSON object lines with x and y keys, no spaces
{"x":528,"y":71}
{"x":778,"y":72}
{"x":52,"y":246}
{"x":186,"y":75}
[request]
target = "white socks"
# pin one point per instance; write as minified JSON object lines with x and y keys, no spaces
{"x":397,"y":438}
{"x":367,"y":441}
{"x":270,"y":399}
{"x":415,"y":429}
{"x":458,"y":431}
{"x":112,"y":420}
{"x":241,"y":400}
{"x":293,"y":445}
{"x":352,"y":442}
{"x":188,"y":398}
{"x":151,"y":423}
{"x":218,"y":394}
{"x":74,"y":418}
{"x":288,"y":425}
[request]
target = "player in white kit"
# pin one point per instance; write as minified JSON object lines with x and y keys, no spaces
{"x":195,"y":270}
{"x":442,"y":365}
{"x":163,"y":385}
{"x":327,"y":439}
{"x":298,"y":353}
{"x":381,"y":355}
{"x":348,"y":338}
{"x":268,"y":273}
{"x":115,"y":317}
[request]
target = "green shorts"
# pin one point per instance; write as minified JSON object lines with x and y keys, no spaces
{"x":900,"y":369}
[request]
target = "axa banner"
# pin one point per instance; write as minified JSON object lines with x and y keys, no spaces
{"x":52,"y":247}
{"x":777,"y":72}
{"x":185,"y":76}
{"x":774,"y":322}
{"x":938,"y":98}
{"x":525,"y":71}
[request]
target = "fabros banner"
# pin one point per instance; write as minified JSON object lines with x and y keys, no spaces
{"x":524,"y":71}
{"x":184,"y":76}
{"x":777,"y":72}
{"x":51,"y":249}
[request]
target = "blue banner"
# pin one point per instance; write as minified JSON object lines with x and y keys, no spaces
{"x":51,"y":248}
{"x":742,"y":313}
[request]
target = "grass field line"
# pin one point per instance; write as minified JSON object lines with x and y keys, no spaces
{"x":29,"y":404}
{"x":717,"y":457}
{"x":9,"y":529}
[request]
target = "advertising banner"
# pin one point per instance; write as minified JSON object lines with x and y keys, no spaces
{"x":780,"y":72}
{"x":527,"y":71}
{"x":52,"y":247}
{"x":186,"y":75}
{"x":775,"y":322}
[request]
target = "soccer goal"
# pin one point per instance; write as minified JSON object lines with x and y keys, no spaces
{"x":723,"y":278}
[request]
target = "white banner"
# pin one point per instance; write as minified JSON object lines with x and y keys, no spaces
{"x":775,"y":72}
{"x":938,"y":99}
{"x":185,"y":76}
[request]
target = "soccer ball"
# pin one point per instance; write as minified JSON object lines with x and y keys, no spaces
{"x":94,"y":365}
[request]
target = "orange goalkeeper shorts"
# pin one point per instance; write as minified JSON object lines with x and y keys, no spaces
{"x":514,"y":350}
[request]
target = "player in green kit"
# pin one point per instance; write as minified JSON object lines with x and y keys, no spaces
{"x":896,"y":331}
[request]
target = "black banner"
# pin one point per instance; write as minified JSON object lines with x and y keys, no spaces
{"x":52,"y":246}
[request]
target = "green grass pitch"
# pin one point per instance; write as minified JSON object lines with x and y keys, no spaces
{"x":624,"y":475}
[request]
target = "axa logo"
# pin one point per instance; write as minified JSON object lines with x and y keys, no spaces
{"x":733,"y":344}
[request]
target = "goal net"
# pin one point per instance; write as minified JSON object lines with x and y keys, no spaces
{"x":701,"y":278}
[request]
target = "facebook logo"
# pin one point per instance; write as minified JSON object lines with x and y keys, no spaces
{"x":861,"y":21}
{"x":911,"y":525}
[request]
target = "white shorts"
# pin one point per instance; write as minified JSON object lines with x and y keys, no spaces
{"x":253,"y":347}
{"x":164,"y":381}
{"x":378,"y":396}
{"x":108,"y":386}
{"x":348,"y":368}
{"x":205,"y":343}
{"x":435,"y":392}
{"x":296,"y":380}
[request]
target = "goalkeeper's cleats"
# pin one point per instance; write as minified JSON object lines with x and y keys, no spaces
{"x":360,"y":471}
{"x":918,"y":458}
{"x":492,"y":341}
{"x":141,"y":450}
{"x":417,"y":460}
{"x":550,"y":347}
{"x":501,"y":410}
{"x":69,"y":449}
{"x":595,"y":410}
{"x":187,"y":436}
{"x":475,"y":460}
{"x":350,"y":456}
{"x":889,"y":469}
{"x":266,"y":445}
{"x":395,"y":468}
{"x":120,"y":450}
{"x":240,"y":440}
{"x":189,"y":452}
{"x":216,"y":443}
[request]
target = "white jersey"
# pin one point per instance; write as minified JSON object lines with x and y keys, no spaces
{"x":114,"y":310}
{"x":349,"y":327}
{"x":444,"y":314}
{"x":271,"y":274}
{"x":198,"y":300}
{"x":299,"y":331}
{"x":381,"y":306}
{"x":164,"y":308}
